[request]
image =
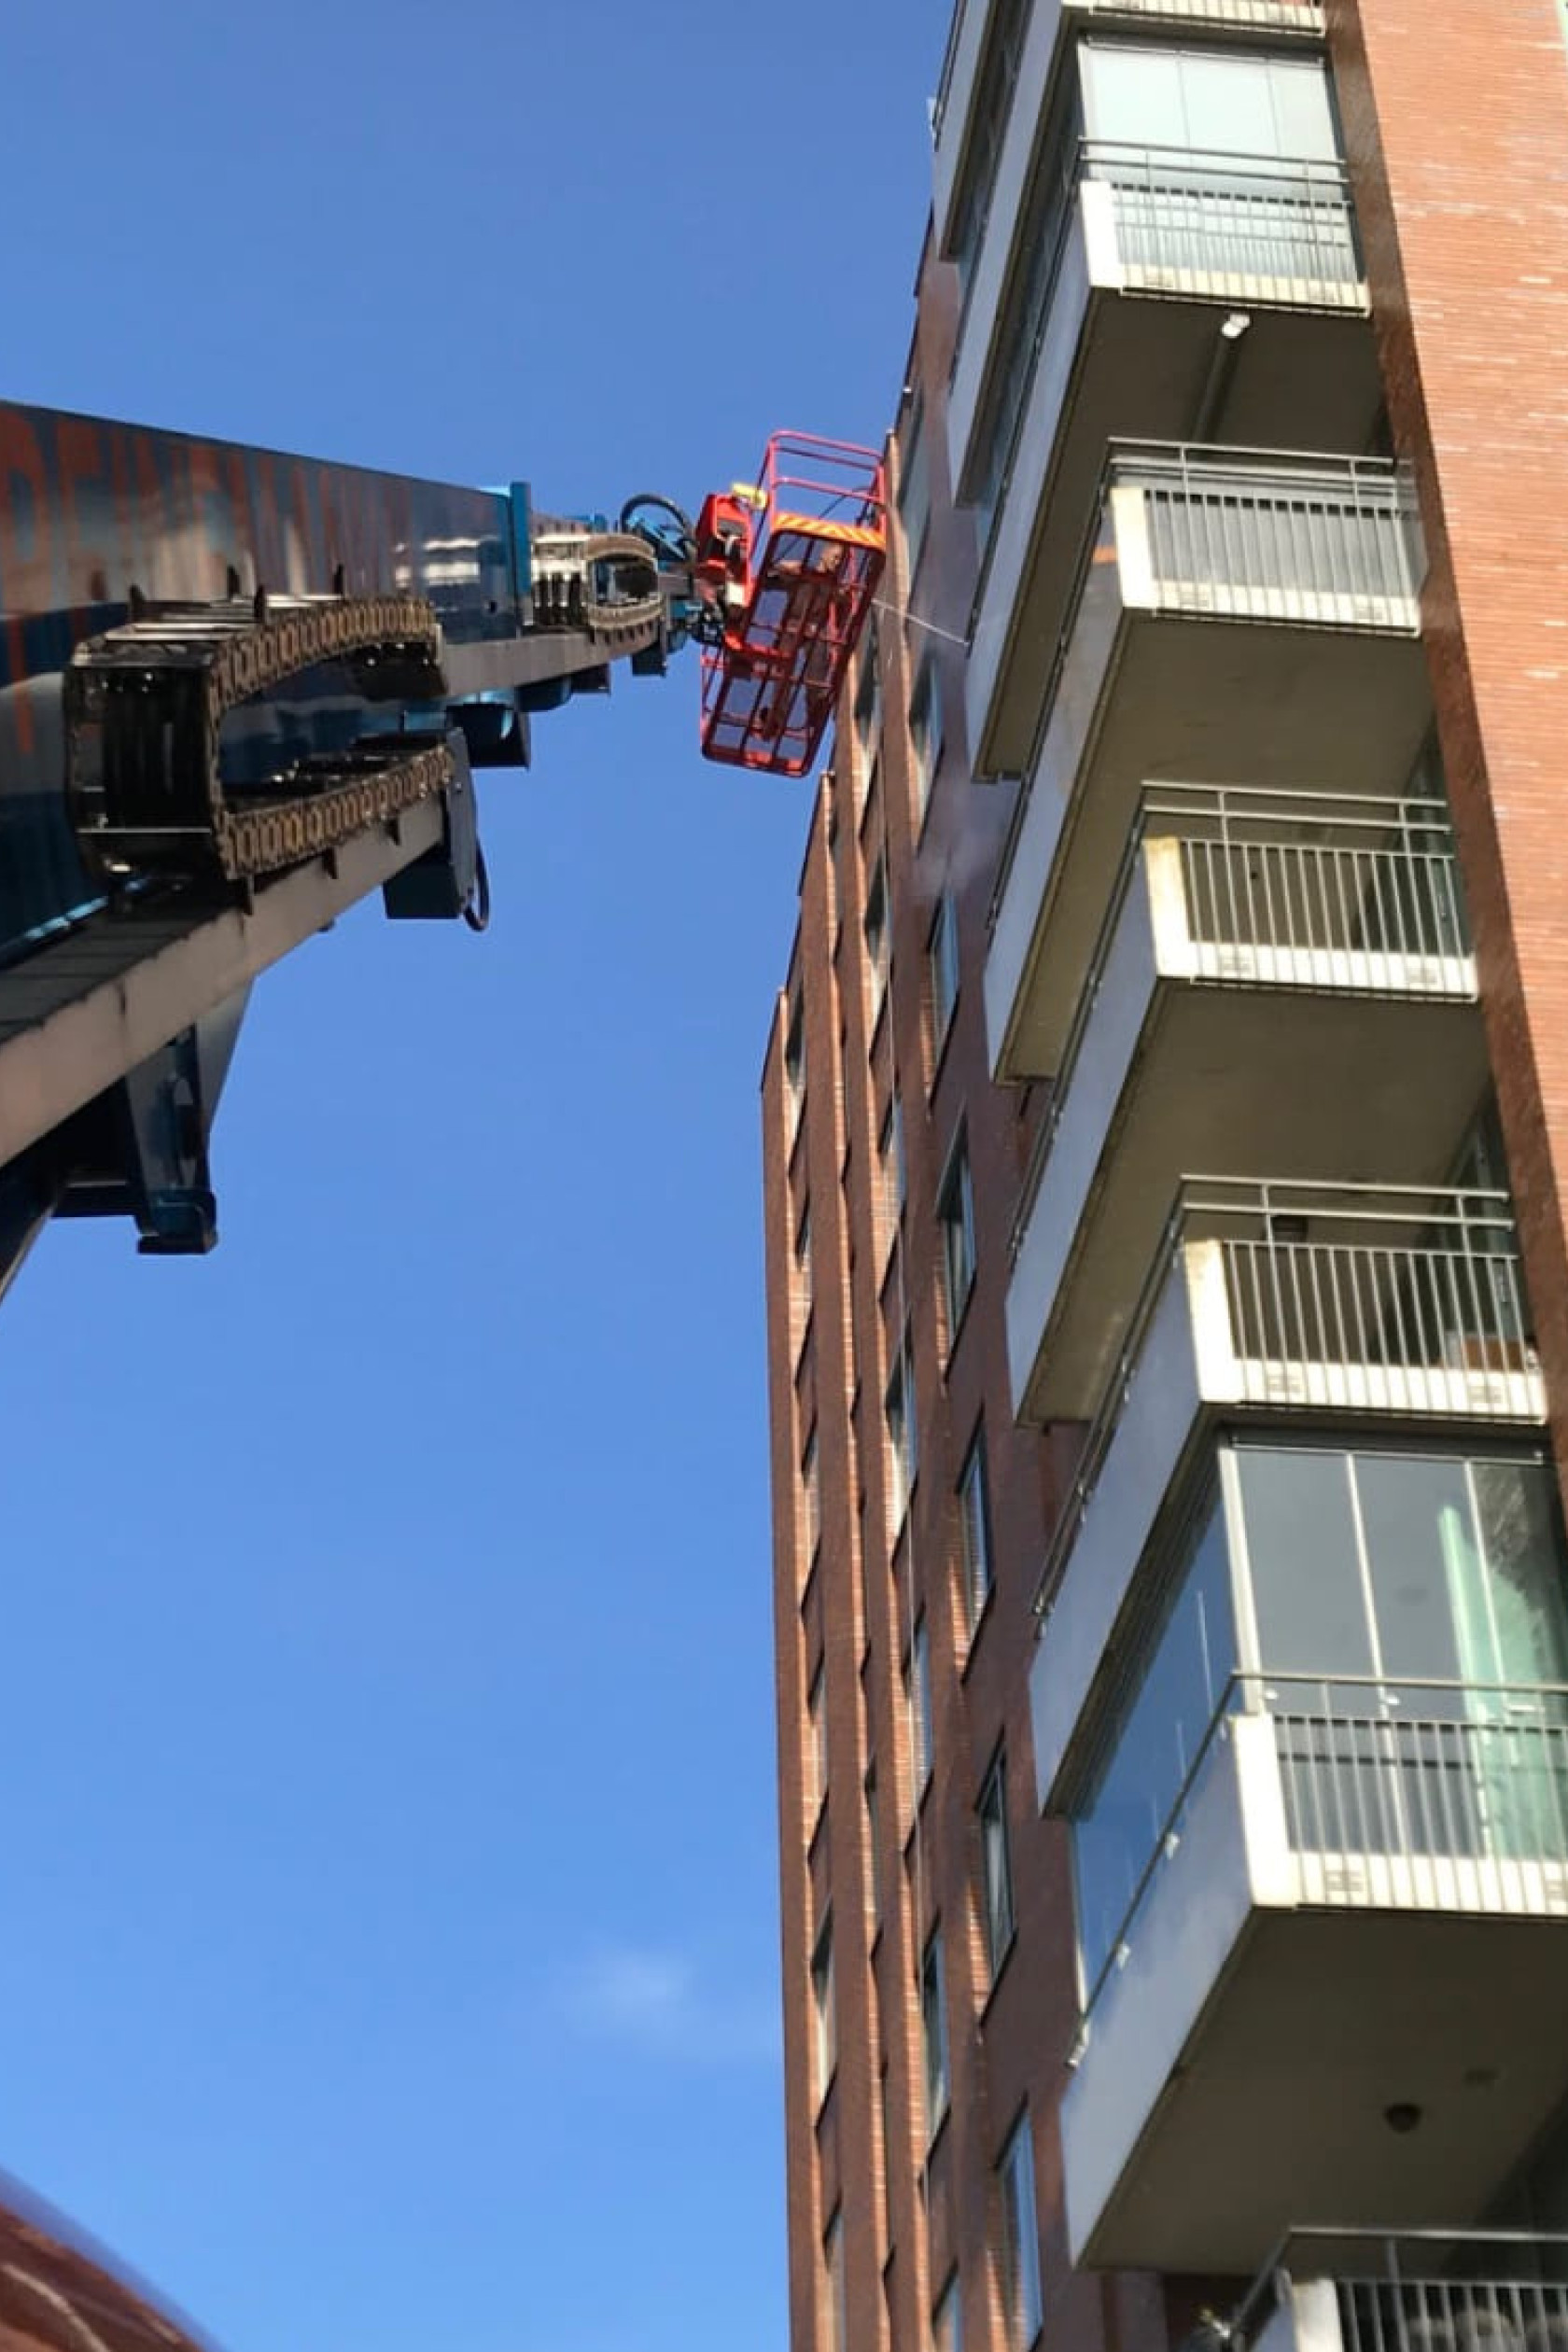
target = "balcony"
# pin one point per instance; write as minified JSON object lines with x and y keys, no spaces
{"x":1276,"y":1307}
{"x":1428,"y":2290}
{"x":1152,"y":251}
{"x":1352,"y":1911}
{"x":1281,"y":980}
{"x":1249,"y":620}
{"x":1182,"y":296}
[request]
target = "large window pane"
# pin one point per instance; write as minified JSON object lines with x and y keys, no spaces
{"x":1518,"y":1531}
{"x":1303,"y":1561}
{"x":1133,"y":95}
{"x":1303,"y":111}
{"x":1429,"y":1609}
{"x":1227,"y":105}
{"x":1153,"y":1743}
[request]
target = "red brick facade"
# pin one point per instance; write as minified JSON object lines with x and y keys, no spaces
{"x":1456,"y":122}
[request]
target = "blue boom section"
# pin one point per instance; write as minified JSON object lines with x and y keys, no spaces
{"x":90,"y":508}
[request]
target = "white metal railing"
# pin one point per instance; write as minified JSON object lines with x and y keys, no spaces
{"x":1346,"y":886}
{"x":1372,"y":901}
{"x":1404,"y":1300}
{"x":1306,"y":16}
{"x":1423,"y":2291}
{"x":1411,"y":1294}
{"x":1184,"y":221}
{"x":1316,"y":539}
{"x":1409,"y":1775}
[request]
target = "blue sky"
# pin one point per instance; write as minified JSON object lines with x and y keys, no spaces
{"x":386,"y":1766}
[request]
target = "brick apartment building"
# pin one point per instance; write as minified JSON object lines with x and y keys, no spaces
{"x":1166,"y":1134}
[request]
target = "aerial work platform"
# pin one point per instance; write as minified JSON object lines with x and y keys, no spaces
{"x":796,"y":562}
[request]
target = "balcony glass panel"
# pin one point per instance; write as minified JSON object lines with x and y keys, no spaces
{"x":1232,"y":102}
{"x":1158,"y":1738}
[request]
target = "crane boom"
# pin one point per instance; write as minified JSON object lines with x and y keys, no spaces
{"x":241,"y":690}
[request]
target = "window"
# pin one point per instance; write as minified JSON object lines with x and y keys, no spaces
{"x":824,"y":2009}
{"x":934,"y":2034}
{"x":988,"y":114}
{"x":955,"y":1209}
{"x":891,"y":1162}
{"x":817,"y":1714}
{"x":811,"y":1490}
{"x":868,"y":698}
{"x":1020,"y":2280}
{"x":803,"y":1248}
{"x":877,"y":942}
{"x":917,"y":1685}
{"x":996,"y":1865}
{"x":864,"y":1532}
{"x":947,"y":2320}
{"x":925,"y":732}
{"x":795,"y":1058}
{"x":901,"y":1157}
{"x":903,"y":1434}
{"x":974,"y":1523}
{"x":914,"y":490}
{"x":874,"y":1842}
{"x":942,"y":958}
{"x":886,"y":2157}
{"x":1049,"y":204}
{"x":836,"y":2327}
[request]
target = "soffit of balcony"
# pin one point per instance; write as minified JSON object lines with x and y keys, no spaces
{"x":1245,"y":1080}
{"x":1140,"y":368}
{"x":1316,"y":2023}
{"x":1152,"y":696}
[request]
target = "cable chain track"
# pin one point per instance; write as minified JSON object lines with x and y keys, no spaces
{"x":145,"y":706}
{"x":563,"y":563}
{"x":146,"y":703}
{"x":363,"y":791}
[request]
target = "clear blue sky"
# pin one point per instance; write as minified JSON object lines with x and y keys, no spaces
{"x":385,"y":1760}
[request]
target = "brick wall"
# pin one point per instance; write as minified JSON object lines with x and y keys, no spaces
{"x":1456,"y":119}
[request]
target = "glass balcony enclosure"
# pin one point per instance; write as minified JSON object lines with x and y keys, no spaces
{"x":1214,"y":173}
{"x":1401,"y":1619}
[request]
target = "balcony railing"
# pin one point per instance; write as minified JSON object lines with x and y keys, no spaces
{"x":1208,"y":224}
{"x":1319,"y":540}
{"x":1383,"y":1311}
{"x":1342,"y":1297}
{"x":1273,"y":15}
{"x":1369,"y":898}
{"x":1423,"y":2291}
{"x":1440,"y":1795}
